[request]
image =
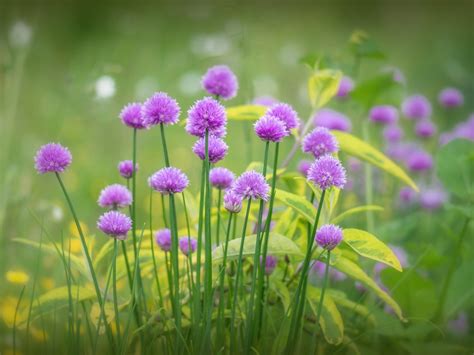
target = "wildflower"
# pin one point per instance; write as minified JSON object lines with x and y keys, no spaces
{"x":328,"y":236}
{"x":207,"y":114}
{"x":425,"y":128}
{"x":320,"y":142}
{"x":17,"y":277}
{"x":345,"y":87}
{"x":168,"y":181}
{"x":419,"y":160}
{"x":221,"y":178}
{"x":252,"y":185}
{"x":115,"y":224}
{"x":270,"y":264}
{"x":221,"y":82}
{"x":286,"y":114}
{"x":451,"y":97}
{"x":217,"y":148}
{"x":131,"y":116}
{"x":432,"y":198}
{"x":232,"y":201}
{"x":52,"y":158}
{"x":407,"y":195}
{"x":332,"y":120}
{"x":160,"y":108}
{"x":163,"y":239}
{"x":125,"y":168}
{"x":187,"y":245}
{"x":105,"y":87}
{"x":270,"y":128}
{"x":392,"y":133}
{"x":327,"y":172}
{"x":318,"y":269}
{"x":416,"y":107}
{"x":304,"y":166}
{"x":383,"y":114}
{"x":115,"y":196}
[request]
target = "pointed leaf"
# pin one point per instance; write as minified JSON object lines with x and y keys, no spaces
{"x":322,"y":86}
{"x":355,"y":210}
{"x":298,"y":203}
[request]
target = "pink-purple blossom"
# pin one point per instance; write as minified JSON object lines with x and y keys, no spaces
{"x":286,"y":114}
{"x":217,"y":149}
{"x":221,"y":178}
{"x":327,"y":172}
{"x":163,"y":239}
{"x":168,"y":180}
{"x":207,"y":114}
{"x":270,"y":129}
{"x":131,"y":116}
{"x":432,"y":198}
{"x":320,"y":141}
{"x":346,"y":85}
{"x":251,"y":185}
{"x":220,"y":81}
{"x":385,"y":114}
{"x":329,"y":236}
{"x":160,"y":109}
{"x":419,"y":160}
{"x":232,"y":201}
{"x":304,"y":166}
{"x":451,"y":97}
{"x":416,"y":107}
{"x":52,"y":158}
{"x":187,"y":245}
{"x":271,"y":262}
{"x":392,"y":133}
{"x":115,"y":196}
{"x":332,"y":120}
{"x":115,"y":224}
{"x":125,"y":168}
{"x":425,"y":128}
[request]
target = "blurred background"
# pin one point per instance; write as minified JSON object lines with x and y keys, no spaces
{"x":67,"y":69}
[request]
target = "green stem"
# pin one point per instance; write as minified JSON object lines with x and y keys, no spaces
{"x":218,"y":224}
{"x":114,"y":272}
{"x":321,"y":299}
{"x":152,"y":247}
{"x":369,"y":193}
{"x":237,"y":279}
{"x":14,"y":318}
{"x":163,"y":141}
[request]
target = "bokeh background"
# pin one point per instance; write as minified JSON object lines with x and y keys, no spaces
{"x":67,"y":69}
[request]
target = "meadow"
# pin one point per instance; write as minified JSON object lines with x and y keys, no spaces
{"x":202,"y":179}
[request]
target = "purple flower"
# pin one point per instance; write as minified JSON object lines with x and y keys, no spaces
{"x":419,"y":160}
{"x":207,"y":114}
{"x":318,"y":268}
{"x":432,"y":198}
{"x":221,"y":178}
{"x":220,"y":81}
{"x":383,"y":114}
{"x":270,"y":264}
{"x":114,"y":223}
{"x":402,"y":257}
{"x":216,"y":147}
{"x":407,"y":195}
{"x":160,"y":108}
{"x":187,"y":245}
{"x":451,"y":97}
{"x":328,"y":236}
{"x":115,"y":196}
{"x":393,"y":133}
{"x":285,"y":113}
{"x":345,"y":87}
{"x":401,"y":151}
{"x":416,"y":107}
{"x":232,"y":201}
{"x":265,"y":101}
{"x":168,"y":181}
{"x":131,"y":116}
{"x":462,"y":130}
{"x":125,"y":168}
{"x":319,"y":142}
{"x":425,"y":128}
{"x":251,"y":184}
{"x":304,"y":166}
{"x":52,"y":158}
{"x":327,"y":172}
{"x":163,"y":239}
{"x":270,"y":128}
{"x":332,"y":120}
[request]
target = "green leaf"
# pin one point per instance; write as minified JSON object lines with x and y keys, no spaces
{"x":352,"y":270}
{"x":371,"y":247}
{"x":355,"y":210}
{"x":103,"y":252}
{"x":277,"y":245}
{"x":341,"y":299}
{"x":298,"y":203}
{"x":316,"y":61}
{"x":362,"y":45}
{"x":331,"y":321}
{"x":322,"y":86}
{"x":455,"y":168}
{"x":280,"y":288}
{"x":295,"y":183}
{"x":367,"y":92}
{"x":246,"y":112}
{"x":360,"y":149}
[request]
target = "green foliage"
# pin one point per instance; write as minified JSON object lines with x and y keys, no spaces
{"x":246,"y":112}
{"x":322,"y":86}
{"x":362,"y":45}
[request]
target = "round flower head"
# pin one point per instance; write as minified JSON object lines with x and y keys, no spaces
{"x":232,"y":201}
{"x":332,"y":120}
{"x":125,"y":168}
{"x":319,"y":142}
{"x":207,"y":114}
{"x":221,"y":178}
{"x":115,"y":196}
{"x":265,"y":101}
{"x":416,"y":107}
{"x":163,"y":239}
{"x":187,"y":245}
{"x":131,"y":116}
{"x":432,"y":198}
{"x":328,"y":236}
{"x":220,"y":81}
{"x":451,"y":97}
{"x":270,"y":128}
{"x":327,"y":172}
{"x":251,"y":184}
{"x":270,"y":264}
{"x":160,"y":108}
{"x":216,"y":147}
{"x":345,"y":87}
{"x":383,"y":114}
{"x":304,"y":166}
{"x":285,"y":113}
{"x":407,"y":195}
{"x":52,"y":158}
{"x":419,"y":161}
{"x":114,"y":223}
{"x":168,"y":181}
{"x":425,"y":128}
{"x":392,"y":133}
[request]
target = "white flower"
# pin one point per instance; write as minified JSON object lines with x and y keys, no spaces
{"x":105,"y":87}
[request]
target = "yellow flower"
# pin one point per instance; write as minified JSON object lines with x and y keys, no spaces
{"x":7,"y":310}
{"x":73,"y":229}
{"x":17,"y":277}
{"x":76,"y":245}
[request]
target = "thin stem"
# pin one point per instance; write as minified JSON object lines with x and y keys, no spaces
{"x":14,"y":318}
{"x":114,"y":283}
{"x":163,"y":141}
{"x":218,"y":224}
{"x":175,"y":265}
{"x":321,"y":299}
